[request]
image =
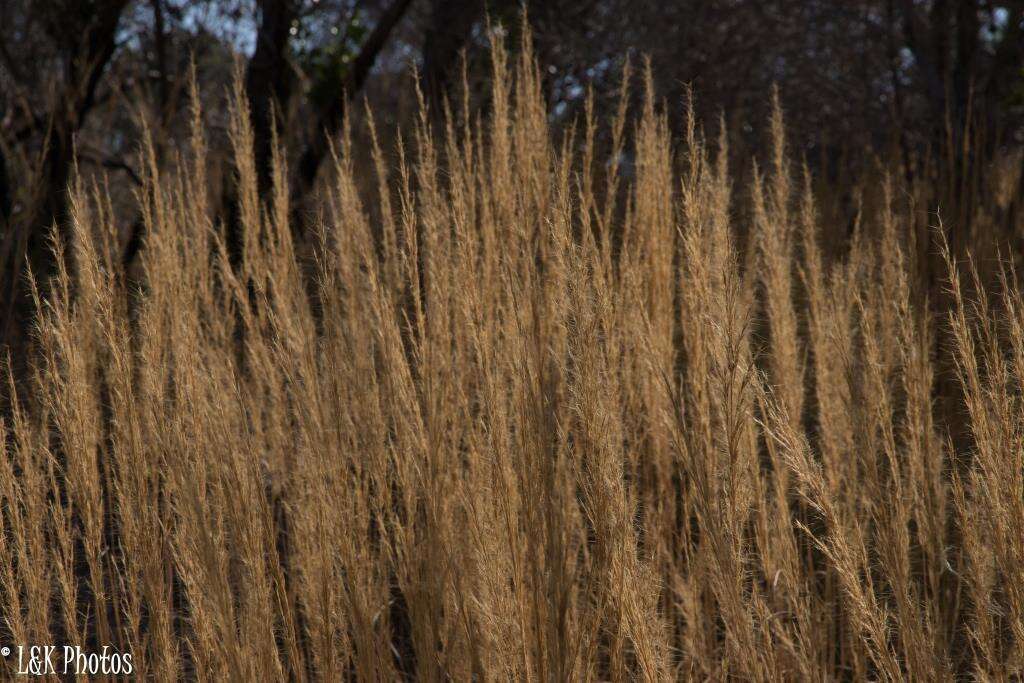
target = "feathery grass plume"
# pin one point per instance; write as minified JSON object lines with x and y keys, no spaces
{"x":525,"y":405}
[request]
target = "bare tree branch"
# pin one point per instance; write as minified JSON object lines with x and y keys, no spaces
{"x":329,"y":119}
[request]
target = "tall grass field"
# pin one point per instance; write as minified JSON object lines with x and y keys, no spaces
{"x":521,"y":405}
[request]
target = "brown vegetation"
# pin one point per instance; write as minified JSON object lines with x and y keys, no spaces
{"x":519,"y":416}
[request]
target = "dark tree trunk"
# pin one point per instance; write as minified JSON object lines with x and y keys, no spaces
{"x":451,"y":22}
{"x":268,"y":84}
{"x":268,"y":80}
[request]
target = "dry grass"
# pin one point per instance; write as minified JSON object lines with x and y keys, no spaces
{"x":535,"y":419}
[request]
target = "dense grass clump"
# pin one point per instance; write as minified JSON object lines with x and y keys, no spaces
{"x":517,"y":414}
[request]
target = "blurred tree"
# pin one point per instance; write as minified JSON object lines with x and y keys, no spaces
{"x":80,"y":40}
{"x":268,"y":78}
{"x":450,"y":26}
{"x":345,"y":81}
